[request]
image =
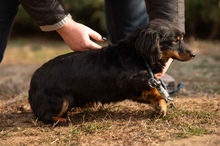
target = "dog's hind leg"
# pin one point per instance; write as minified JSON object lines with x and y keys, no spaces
{"x":64,"y":109}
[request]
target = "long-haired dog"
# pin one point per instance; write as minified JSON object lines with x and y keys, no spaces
{"x":111,"y":74}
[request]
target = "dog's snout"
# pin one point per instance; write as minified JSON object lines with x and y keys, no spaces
{"x":193,"y":55}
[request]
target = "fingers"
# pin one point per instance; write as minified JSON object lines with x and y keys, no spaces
{"x":95,"y":35}
{"x":92,"y":45}
{"x":77,"y":36}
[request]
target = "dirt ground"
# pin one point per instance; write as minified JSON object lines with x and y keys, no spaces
{"x":194,"y":120}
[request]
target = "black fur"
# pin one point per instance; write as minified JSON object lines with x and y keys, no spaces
{"x":112,"y":74}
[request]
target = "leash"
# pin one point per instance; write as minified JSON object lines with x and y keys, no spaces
{"x":158,"y":84}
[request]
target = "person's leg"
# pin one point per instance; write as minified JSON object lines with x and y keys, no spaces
{"x":8,"y":10}
{"x":123,"y":17}
{"x":172,"y":10}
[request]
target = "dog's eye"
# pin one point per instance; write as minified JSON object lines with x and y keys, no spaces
{"x":179,"y":38}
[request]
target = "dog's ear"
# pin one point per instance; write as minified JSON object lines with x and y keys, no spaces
{"x":147,"y":45}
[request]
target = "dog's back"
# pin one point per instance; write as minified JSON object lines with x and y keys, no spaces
{"x":81,"y":78}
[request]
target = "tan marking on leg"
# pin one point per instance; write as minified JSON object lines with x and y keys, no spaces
{"x":59,"y":119}
{"x":155,"y":99}
{"x":62,"y":112}
{"x":163,"y":107}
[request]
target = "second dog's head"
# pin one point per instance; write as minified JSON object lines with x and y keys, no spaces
{"x":161,"y":40}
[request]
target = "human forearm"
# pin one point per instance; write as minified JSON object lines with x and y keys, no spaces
{"x":51,"y":15}
{"x":48,"y":14}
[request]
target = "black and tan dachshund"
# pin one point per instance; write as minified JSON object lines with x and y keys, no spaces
{"x":111,"y":74}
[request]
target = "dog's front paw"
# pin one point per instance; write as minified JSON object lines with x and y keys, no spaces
{"x":161,"y":107}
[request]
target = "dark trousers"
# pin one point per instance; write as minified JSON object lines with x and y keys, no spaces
{"x":8,"y":10}
{"x":125,"y":16}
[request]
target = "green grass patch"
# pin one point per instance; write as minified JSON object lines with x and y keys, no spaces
{"x":91,"y":127}
{"x":192,"y":131}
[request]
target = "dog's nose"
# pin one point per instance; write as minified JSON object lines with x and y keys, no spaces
{"x":193,"y":55}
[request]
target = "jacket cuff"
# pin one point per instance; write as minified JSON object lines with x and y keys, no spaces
{"x":57,"y":25}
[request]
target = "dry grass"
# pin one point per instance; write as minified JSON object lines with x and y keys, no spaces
{"x":196,"y":111}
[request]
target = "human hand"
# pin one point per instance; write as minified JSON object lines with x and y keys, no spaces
{"x":77,"y":36}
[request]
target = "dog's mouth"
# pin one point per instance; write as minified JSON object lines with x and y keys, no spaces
{"x":184,"y":56}
{"x":191,"y":56}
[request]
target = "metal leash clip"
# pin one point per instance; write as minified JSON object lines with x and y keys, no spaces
{"x":153,"y":83}
{"x":164,"y":93}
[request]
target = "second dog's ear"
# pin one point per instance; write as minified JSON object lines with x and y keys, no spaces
{"x":147,"y":45}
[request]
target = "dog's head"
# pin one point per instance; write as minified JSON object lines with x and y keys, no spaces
{"x":161,"y":40}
